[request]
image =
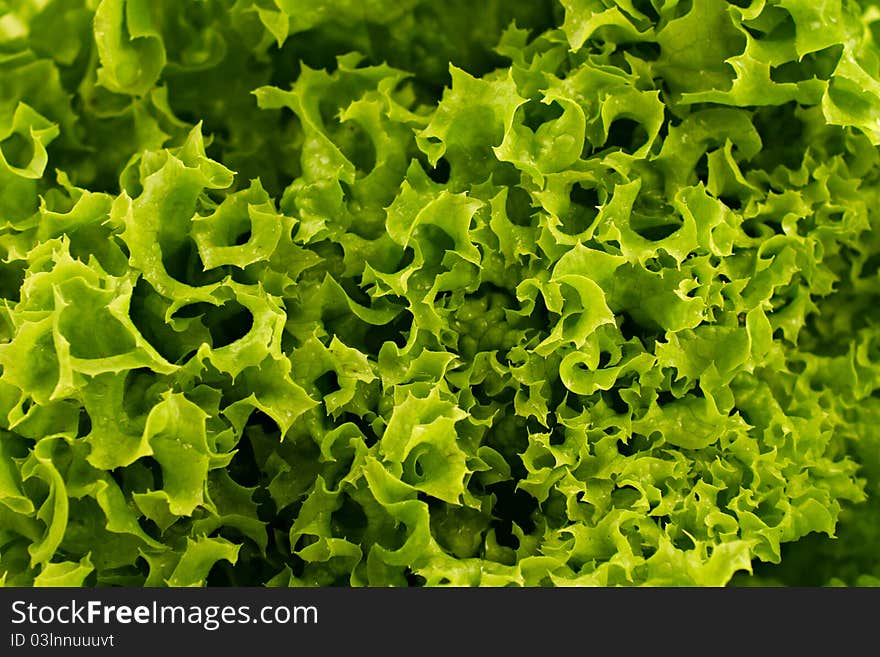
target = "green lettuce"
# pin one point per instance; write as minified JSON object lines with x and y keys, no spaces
{"x":557,"y":293}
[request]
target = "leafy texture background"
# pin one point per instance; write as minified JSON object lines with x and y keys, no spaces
{"x":422,"y":293}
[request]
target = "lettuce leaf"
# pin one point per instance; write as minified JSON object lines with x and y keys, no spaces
{"x":576,"y":293}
